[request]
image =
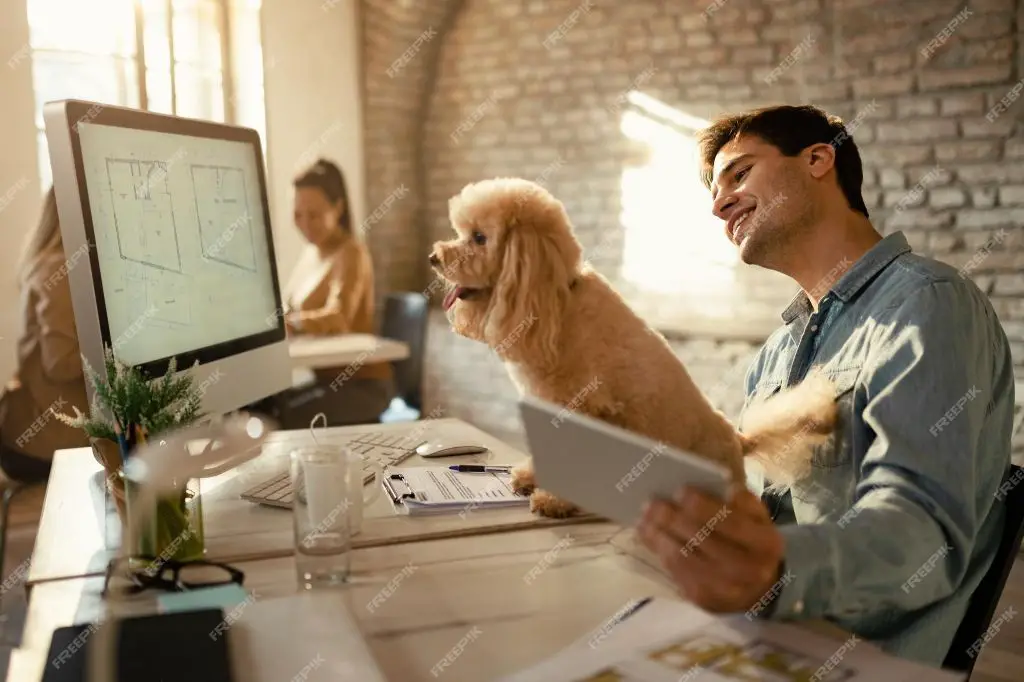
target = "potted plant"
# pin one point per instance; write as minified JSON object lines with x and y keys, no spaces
{"x":129,"y":409}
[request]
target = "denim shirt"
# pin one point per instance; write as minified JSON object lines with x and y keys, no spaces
{"x":899,"y":519}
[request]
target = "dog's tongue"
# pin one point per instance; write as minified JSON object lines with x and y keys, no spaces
{"x":451,"y":296}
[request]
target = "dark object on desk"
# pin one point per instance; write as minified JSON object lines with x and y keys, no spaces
{"x":963,"y":652}
{"x":405,"y":320}
{"x":177,"y":646}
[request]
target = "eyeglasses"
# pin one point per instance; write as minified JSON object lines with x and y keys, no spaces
{"x":134,"y":574}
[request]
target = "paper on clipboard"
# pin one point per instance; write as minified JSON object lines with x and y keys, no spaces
{"x":439,"y":489}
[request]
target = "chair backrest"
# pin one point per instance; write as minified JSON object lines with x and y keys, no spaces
{"x":961,"y":655}
{"x":405,"y":320}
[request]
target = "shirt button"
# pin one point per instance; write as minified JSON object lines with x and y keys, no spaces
{"x":814,"y":327}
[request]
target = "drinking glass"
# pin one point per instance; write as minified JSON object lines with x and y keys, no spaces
{"x":326,"y":507}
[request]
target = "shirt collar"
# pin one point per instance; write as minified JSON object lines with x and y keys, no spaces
{"x":849,"y":285}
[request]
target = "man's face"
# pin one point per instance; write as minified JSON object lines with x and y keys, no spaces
{"x":763,"y":197}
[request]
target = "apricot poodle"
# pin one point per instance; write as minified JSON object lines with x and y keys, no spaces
{"x":517,"y":282}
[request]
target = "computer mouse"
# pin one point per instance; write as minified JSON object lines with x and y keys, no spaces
{"x":435,"y":448}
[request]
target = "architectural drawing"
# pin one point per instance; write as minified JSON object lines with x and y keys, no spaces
{"x":222,"y":208}
{"x":143,"y":215}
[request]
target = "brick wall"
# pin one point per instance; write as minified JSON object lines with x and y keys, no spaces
{"x":936,"y":167}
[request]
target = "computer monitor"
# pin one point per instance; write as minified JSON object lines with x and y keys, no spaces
{"x":170,"y":254}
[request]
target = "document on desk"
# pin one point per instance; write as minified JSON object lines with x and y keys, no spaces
{"x":426,"y":490}
{"x":672,"y":641}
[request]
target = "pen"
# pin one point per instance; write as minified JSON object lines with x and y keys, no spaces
{"x":480,"y":469}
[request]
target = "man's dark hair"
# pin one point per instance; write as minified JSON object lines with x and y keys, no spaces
{"x":790,"y":129}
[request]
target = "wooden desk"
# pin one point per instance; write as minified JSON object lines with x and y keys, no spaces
{"x":316,"y":352}
{"x":528,"y":594}
{"x":79,"y":531}
{"x":578,"y":581}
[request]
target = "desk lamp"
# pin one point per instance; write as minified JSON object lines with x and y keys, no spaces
{"x":155,"y":467}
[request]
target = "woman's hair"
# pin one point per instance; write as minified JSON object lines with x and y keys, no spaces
{"x":329,"y":179}
{"x":45,"y":238}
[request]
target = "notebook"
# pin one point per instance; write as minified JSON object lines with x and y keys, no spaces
{"x":439,"y":490}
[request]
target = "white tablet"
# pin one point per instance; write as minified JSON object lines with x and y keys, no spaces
{"x":607,"y":470}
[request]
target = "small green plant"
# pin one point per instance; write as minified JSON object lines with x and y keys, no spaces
{"x":126,"y":396}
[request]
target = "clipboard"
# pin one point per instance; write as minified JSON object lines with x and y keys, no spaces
{"x":433,"y":490}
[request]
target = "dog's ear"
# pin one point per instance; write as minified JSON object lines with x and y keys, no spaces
{"x":528,"y":299}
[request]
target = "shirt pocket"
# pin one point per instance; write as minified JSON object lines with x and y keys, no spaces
{"x":836,"y":450}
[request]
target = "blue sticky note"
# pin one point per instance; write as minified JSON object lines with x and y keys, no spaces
{"x":226,"y":597}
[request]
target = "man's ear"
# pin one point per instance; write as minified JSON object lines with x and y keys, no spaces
{"x":821,"y":158}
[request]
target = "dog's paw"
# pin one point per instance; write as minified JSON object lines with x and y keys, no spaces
{"x":544,"y":503}
{"x":523,"y":481}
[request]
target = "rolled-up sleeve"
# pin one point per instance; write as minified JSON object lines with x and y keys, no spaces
{"x":920,"y":499}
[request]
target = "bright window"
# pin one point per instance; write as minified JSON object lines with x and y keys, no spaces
{"x":167,"y":56}
{"x":678,"y":268}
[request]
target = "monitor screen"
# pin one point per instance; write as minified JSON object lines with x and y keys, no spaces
{"x":181,"y":243}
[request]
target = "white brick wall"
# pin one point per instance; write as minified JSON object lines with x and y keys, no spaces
{"x":925,"y":113}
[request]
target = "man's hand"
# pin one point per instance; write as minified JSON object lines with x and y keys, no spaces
{"x":722,"y":557}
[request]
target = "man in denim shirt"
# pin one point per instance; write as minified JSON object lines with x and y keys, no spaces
{"x":899,"y":519}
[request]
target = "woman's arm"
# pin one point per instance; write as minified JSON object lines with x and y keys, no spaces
{"x":348,"y":278}
{"x":58,"y":337}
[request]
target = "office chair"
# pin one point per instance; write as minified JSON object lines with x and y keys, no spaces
{"x":12,"y":488}
{"x":405,"y":319}
{"x":985,"y":599}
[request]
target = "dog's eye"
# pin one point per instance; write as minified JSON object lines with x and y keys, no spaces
{"x":479,"y":238}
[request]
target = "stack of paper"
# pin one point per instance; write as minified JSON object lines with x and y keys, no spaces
{"x":437,"y":490}
{"x":672,"y":641}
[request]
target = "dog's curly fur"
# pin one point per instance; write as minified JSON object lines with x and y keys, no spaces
{"x":568,"y":337}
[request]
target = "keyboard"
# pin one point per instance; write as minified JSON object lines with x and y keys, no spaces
{"x":384,"y":448}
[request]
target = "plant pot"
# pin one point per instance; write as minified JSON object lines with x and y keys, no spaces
{"x":173,"y":530}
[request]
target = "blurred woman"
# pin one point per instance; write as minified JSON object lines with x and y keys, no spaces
{"x":49,"y":374}
{"x":332,"y":292}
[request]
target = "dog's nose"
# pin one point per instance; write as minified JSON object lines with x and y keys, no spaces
{"x":434,"y":260}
